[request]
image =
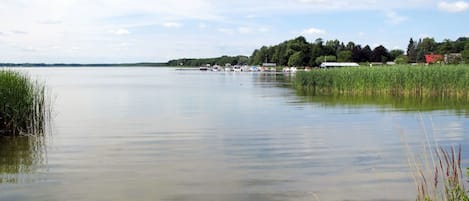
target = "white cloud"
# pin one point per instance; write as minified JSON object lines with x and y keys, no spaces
{"x":226,"y":31}
{"x":51,"y":21}
{"x":244,"y":30}
{"x":395,"y":18}
{"x":202,"y":26}
{"x":314,"y":31}
{"x":264,"y":29}
{"x":120,"y":32}
{"x":453,"y":7}
{"x":172,"y":24}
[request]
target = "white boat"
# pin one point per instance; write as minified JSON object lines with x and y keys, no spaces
{"x":205,"y":67}
{"x":228,"y":69}
{"x":293,"y":69}
{"x":237,"y":68}
{"x":253,"y":69}
{"x":216,"y":68}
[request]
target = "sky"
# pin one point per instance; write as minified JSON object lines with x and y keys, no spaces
{"x":123,"y":31}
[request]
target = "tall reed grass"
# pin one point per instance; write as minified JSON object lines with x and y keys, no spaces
{"x":23,"y":109}
{"x":445,"y":181}
{"x":403,"y":80}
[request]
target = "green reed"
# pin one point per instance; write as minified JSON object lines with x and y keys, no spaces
{"x":23,"y":109}
{"x":403,"y":80}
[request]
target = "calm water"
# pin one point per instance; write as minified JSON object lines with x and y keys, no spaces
{"x":160,"y":134}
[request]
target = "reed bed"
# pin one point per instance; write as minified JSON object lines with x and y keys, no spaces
{"x":403,"y":80}
{"x":23,"y":109}
{"x":445,"y":180}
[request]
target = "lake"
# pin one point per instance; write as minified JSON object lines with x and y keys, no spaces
{"x":161,"y":134}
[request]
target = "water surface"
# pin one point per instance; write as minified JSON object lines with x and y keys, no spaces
{"x":161,"y":134}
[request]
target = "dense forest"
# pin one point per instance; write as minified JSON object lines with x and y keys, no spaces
{"x":299,"y":52}
{"x":240,"y":60}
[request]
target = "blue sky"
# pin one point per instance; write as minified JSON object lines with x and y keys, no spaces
{"x":108,"y":31}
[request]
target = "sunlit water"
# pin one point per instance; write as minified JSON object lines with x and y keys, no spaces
{"x":160,"y":134}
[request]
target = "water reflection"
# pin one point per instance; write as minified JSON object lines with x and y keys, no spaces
{"x":411,"y":104}
{"x":20,"y":157}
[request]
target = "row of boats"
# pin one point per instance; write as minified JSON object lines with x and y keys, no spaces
{"x":245,"y":68}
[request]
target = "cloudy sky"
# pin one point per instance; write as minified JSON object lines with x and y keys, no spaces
{"x":104,"y":31}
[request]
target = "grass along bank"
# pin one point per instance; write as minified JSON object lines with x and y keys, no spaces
{"x":23,"y":109}
{"x":402,"y":80}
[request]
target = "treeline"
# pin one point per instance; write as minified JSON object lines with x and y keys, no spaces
{"x":240,"y":60}
{"x":299,"y":52}
{"x":416,"y":50}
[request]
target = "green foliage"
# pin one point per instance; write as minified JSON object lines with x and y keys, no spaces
{"x":212,"y":61}
{"x":380,"y":54}
{"x":402,"y":59}
{"x":412,"y":51}
{"x":344,"y":56}
{"x":329,"y":58}
{"x":393,"y":54}
{"x":443,"y":81}
{"x":465,"y":56}
{"x":296,"y":59}
{"x":22,"y":105}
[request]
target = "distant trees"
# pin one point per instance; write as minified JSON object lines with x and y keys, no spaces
{"x":329,"y":58}
{"x":344,"y":56}
{"x":241,"y":60}
{"x":402,"y":59}
{"x":412,"y":51}
{"x":416,"y":51}
{"x":393,"y":54}
{"x":380,"y":54}
{"x":300,"y":52}
{"x":465,"y":54}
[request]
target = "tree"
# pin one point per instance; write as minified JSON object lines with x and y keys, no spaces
{"x":357,"y":54}
{"x":465,"y":54}
{"x":330,"y":58}
{"x":412,"y":51}
{"x":256,"y":57}
{"x":316,"y":51}
{"x":445,"y":47}
{"x":393,"y":54}
{"x":350,"y":46}
{"x":296,"y":59}
{"x":366,"y":54}
{"x":344,"y":56}
{"x":380,"y":54}
{"x":401,"y":59}
{"x":424,"y":47}
{"x":428,"y":45}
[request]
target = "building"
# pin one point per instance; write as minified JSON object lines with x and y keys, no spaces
{"x":434,"y":58}
{"x":338,"y":64}
{"x":453,"y":58}
{"x":269,"y":65}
